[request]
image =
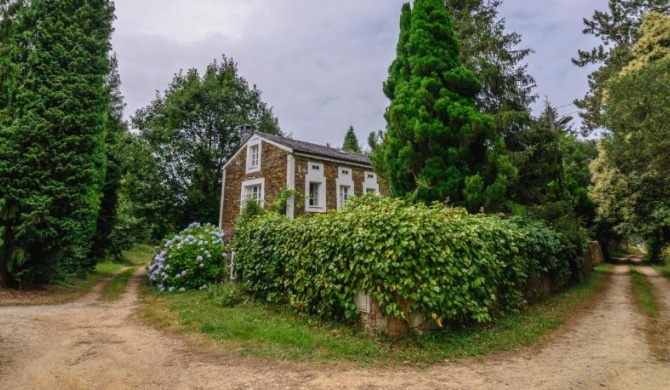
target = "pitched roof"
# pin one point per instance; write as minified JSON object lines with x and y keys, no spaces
{"x":317,"y":150}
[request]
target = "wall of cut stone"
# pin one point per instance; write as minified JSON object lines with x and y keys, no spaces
{"x":273,"y":169}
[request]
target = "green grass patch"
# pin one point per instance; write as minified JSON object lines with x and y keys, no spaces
{"x":260,"y":330}
{"x":116,"y":286}
{"x":663,"y":269}
{"x":140,"y":254}
{"x":644,"y":295}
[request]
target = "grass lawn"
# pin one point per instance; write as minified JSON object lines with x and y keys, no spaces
{"x":259,"y":330}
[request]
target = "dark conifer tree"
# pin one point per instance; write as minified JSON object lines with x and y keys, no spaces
{"x":437,"y":142}
{"x":351,"y":142}
{"x":52,"y":154}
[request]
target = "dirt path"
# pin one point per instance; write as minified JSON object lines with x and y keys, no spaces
{"x":94,"y":345}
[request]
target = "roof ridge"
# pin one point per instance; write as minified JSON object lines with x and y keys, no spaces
{"x":312,"y":143}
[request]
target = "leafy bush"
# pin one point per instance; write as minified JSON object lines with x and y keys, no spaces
{"x":189,"y":260}
{"x":433,"y":260}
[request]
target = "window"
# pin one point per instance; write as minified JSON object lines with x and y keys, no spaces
{"x":314,"y":194}
{"x":254,"y":156}
{"x":345,"y":185}
{"x":252,"y":189}
{"x":253,"y":192}
{"x":254,"y":152}
{"x":370,"y":184}
{"x":344,"y":193}
{"x":315,"y":188}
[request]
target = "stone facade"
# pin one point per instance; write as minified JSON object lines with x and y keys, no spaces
{"x":273,"y":171}
{"x":275,"y":161}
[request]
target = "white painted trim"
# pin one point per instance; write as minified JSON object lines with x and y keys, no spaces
{"x":370,"y":183}
{"x":255,"y":137}
{"x":344,"y":180}
{"x":333,"y":160}
{"x":316,"y":176}
{"x":290,"y":184}
{"x":223,"y":197}
{"x":259,"y":144}
{"x":248,"y":183}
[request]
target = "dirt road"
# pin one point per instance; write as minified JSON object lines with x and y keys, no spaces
{"x":90,"y":344}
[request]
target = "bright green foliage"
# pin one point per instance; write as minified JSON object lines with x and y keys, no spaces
{"x":351,"y":142}
{"x":190,"y":132}
{"x":637,"y":114}
{"x":436,"y":140}
{"x":618,"y":29}
{"x":189,"y":260}
{"x":448,"y":265}
{"x":53,"y":114}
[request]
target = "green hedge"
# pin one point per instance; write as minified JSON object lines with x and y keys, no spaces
{"x":435,"y":260}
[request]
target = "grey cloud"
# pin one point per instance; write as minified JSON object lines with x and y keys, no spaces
{"x":320,"y":64}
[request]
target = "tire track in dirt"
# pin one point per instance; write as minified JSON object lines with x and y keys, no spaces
{"x":658,"y":330}
{"x":91,"y":344}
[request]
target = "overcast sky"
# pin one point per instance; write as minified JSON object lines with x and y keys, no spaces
{"x":321,"y":63}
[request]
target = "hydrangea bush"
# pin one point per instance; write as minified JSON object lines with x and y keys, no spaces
{"x":189,"y":260}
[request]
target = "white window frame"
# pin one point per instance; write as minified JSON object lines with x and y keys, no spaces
{"x":250,"y":147}
{"x":370,"y":182}
{"x":345,"y":178}
{"x":252,"y":183}
{"x":315,"y":174}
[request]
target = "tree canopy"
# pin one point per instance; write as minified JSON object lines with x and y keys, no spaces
{"x":617,"y":29}
{"x":190,"y":133}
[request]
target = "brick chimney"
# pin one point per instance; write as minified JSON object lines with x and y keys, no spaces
{"x":246,"y":131}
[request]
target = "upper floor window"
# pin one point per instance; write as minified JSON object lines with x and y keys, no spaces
{"x":254,"y":157}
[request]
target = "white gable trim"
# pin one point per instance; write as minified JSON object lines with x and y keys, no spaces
{"x":255,"y":138}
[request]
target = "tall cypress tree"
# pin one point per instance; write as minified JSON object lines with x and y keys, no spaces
{"x":438,"y":143}
{"x":52,"y":157}
{"x":115,"y":143}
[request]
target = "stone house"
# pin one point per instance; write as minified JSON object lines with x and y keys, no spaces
{"x":266,"y":164}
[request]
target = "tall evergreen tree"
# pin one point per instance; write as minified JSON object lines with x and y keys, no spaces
{"x":437,"y":141}
{"x":190,"y":132}
{"x":498,"y":62}
{"x":115,"y":142}
{"x":617,"y":28}
{"x":351,"y":142}
{"x":52,"y":154}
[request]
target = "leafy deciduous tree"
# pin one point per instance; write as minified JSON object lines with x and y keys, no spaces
{"x":190,"y":132}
